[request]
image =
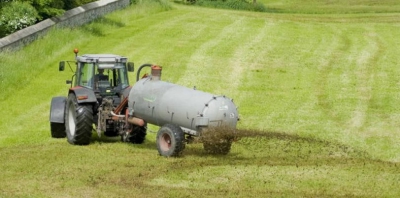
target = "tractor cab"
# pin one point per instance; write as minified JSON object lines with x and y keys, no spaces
{"x":105,"y":74}
{"x":104,"y":78}
{"x":98,"y":95}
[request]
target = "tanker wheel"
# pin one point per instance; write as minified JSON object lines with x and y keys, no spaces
{"x":137,"y":136}
{"x":221,"y":147}
{"x":57,"y":130}
{"x":78,"y":121}
{"x":170,"y":140}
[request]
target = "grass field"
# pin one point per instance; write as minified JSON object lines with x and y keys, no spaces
{"x":332,"y":6}
{"x":318,"y":97}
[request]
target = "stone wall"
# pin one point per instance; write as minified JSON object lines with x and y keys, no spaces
{"x":75,"y":17}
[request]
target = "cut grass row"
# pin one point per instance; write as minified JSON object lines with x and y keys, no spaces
{"x":322,"y":92}
{"x":305,"y":6}
{"x":332,"y":7}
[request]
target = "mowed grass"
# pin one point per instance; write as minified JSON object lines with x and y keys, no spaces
{"x":317,"y":96}
{"x":332,"y":6}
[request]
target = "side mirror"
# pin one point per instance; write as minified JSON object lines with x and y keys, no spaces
{"x":131,"y":68}
{"x":61,"y":66}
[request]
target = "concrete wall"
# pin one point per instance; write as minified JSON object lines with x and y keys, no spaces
{"x":75,"y":17}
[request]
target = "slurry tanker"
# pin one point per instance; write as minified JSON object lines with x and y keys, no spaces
{"x":101,"y":99}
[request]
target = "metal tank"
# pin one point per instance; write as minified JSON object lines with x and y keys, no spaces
{"x":159,"y":103}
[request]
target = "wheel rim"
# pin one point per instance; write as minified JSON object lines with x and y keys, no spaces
{"x":71,"y":120}
{"x":165,"y":142}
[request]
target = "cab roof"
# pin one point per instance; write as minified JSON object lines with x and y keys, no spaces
{"x":109,"y":58}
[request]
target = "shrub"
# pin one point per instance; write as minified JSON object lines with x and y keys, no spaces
{"x":161,"y":2}
{"x":231,"y":4}
{"x":47,"y":8}
{"x":15,"y":16}
{"x":165,"y":4}
{"x":70,"y":4}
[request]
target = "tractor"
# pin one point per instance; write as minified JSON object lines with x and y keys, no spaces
{"x":99,"y":85}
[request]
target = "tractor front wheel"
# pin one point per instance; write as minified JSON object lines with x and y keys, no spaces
{"x":170,"y":140}
{"x":78,"y":121}
{"x":57,"y":130}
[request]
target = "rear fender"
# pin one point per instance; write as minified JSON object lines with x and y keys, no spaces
{"x":83,"y":95}
{"x":57,"y":109}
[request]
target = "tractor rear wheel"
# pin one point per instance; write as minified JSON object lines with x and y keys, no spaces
{"x":78,"y":121}
{"x":137,"y":136}
{"x":170,"y":140}
{"x":57,"y":130}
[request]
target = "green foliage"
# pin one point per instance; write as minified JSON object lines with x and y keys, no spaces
{"x":162,"y":3}
{"x":15,"y":16}
{"x":48,"y":8}
{"x":18,"y":14}
{"x":4,"y":2}
{"x":70,"y":4}
{"x":232,"y":4}
{"x":245,"y":5}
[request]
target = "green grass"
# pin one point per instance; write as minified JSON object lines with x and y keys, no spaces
{"x":332,"y":6}
{"x":305,"y":6}
{"x":317,"y":96}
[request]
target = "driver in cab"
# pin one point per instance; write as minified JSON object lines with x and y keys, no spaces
{"x":100,"y":78}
